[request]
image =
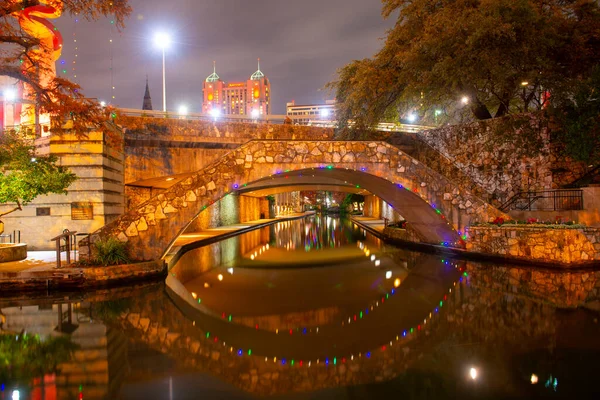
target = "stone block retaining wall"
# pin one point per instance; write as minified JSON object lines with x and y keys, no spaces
{"x":566,"y":246}
{"x":497,"y":157}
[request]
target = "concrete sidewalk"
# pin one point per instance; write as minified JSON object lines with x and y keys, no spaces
{"x":35,"y":261}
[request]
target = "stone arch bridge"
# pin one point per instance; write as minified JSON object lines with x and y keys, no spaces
{"x":436,"y":209}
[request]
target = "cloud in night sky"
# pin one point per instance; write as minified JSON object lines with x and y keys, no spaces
{"x":300,"y":43}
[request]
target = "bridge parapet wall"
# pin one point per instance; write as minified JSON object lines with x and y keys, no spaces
{"x":181,"y":129}
{"x":158,"y":147}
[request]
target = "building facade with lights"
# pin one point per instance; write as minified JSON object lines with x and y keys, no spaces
{"x":305,"y":113}
{"x":252,"y":97}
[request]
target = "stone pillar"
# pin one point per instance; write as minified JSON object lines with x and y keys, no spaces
{"x":95,"y":199}
{"x":372,"y":206}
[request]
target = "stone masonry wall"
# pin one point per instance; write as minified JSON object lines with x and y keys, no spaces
{"x":432,"y":203}
{"x":499,"y":159}
{"x":542,"y":244}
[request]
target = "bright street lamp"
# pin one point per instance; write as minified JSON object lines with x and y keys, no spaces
{"x":162,"y":40}
{"x":215,"y":113}
{"x":255,"y":114}
{"x":9,"y":95}
{"x":412,"y":117}
{"x":465,"y":100}
{"x":183,"y":110}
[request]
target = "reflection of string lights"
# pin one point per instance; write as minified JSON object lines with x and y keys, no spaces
{"x":407,"y":333}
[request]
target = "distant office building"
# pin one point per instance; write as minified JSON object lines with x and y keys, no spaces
{"x":303,"y":114}
{"x":252,"y":97}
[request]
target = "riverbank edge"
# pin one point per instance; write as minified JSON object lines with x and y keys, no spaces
{"x":177,"y":252}
{"x":478,"y":256}
{"x":82,"y":278}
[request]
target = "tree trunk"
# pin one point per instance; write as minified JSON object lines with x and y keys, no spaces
{"x":480,"y":111}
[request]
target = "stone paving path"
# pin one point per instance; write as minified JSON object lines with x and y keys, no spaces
{"x":35,"y":261}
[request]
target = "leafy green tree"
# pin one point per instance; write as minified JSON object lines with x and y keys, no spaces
{"x":483,"y":58}
{"x":577,"y":116}
{"x":60,"y":98}
{"x":25,"y":175}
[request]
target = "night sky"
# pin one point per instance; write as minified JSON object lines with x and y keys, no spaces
{"x":301,"y":43}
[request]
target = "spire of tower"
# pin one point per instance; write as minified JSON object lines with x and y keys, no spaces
{"x":213,"y":77}
{"x":258,"y":74}
{"x":147,"y":105}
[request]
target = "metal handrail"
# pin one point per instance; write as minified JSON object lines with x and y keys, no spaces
{"x":557,"y":200}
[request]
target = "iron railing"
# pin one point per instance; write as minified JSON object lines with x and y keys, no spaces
{"x":547,"y":200}
{"x":13,"y":238}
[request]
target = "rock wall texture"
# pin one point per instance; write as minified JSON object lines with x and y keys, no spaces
{"x":566,"y":246}
{"x":501,"y":157}
{"x":431,"y":203}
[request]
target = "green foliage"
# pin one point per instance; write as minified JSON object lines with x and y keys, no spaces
{"x":349,"y":200}
{"x":23,"y":357}
{"x":25,"y":175}
{"x":440,"y":51}
{"x":111,"y":251}
{"x":577,"y":115}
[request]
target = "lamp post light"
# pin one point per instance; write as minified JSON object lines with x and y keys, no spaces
{"x":162,"y":40}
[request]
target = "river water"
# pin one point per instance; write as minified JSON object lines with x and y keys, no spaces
{"x":310,"y":309}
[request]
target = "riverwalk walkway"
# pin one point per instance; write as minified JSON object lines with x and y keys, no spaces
{"x":189,"y":241}
{"x":39,"y":262}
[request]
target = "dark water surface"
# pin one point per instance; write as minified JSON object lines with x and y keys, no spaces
{"x":310,"y":309}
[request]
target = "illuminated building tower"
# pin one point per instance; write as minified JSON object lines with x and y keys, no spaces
{"x":147,"y":99}
{"x":252,"y":97}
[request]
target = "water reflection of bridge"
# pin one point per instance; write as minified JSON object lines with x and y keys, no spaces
{"x":490,"y":308}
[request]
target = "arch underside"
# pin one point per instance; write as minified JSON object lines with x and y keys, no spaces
{"x":422,"y":218}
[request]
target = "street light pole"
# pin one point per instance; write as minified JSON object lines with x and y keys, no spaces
{"x":163,"y":40}
{"x":164,"y":82}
